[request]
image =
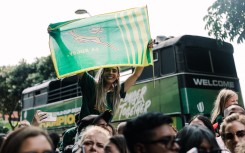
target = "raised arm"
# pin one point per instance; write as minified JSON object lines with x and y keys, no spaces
{"x":133,"y":78}
{"x":136,"y":74}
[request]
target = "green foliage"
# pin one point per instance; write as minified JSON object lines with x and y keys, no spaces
{"x":14,"y":79}
{"x":226,"y":19}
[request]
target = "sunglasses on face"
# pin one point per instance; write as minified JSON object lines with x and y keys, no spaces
{"x":166,"y":140}
{"x":231,"y":136}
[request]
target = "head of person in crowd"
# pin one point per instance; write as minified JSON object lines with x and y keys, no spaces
{"x":93,"y":139}
{"x":27,"y":139}
{"x":202,"y":120}
{"x":233,"y":130}
{"x":196,"y":136}
{"x":234,"y":108}
{"x":151,"y":133}
{"x":120,"y":127}
{"x":101,"y":120}
{"x":86,"y":121}
{"x":55,"y":139}
{"x":225,"y":98}
{"x":116,"y":144}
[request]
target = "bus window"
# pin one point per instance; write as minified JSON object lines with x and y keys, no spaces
{"x":223,"y":68}
{"x":155,"y":56}
{"x":41,"y":97}
{"x":28,"y":100}
{"x":198,"y":59}
{"x":167,"y":61}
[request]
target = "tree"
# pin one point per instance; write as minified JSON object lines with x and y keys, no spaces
{"x":226,"y":19}
{"x":14,"y":79}
{"x":12,"y":87}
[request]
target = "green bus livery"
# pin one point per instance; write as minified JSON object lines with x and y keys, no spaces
{"x":188,"y":73}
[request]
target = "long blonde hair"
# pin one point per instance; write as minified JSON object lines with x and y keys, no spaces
{"x":219,"y":104}
{"x":101,"y":92}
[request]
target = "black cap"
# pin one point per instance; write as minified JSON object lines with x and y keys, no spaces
{"x":86,"y":121}
{"x":106,"y":115}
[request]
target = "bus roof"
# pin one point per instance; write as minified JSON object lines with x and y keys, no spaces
{"x":37,"y":87}
{"x":191,"y":40}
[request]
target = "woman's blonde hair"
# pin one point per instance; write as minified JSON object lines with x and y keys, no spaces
{"x":91,"y":129}
{"x":101,"y":93}
{"x":219,"y":104}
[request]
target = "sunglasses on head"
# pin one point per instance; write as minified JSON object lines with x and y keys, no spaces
{"x":166,"y":140}
{"x":231,"y":136}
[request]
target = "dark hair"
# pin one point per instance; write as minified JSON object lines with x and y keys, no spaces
{"x":15,"y":139}
{"x":206,"y":121}
{"x":120,"y":143}
{"x":140,"y":128}
{"x":193,"y":136}
{"x":55,"y":139}
{"x":112,"y":128}
{"x":2,"y":138}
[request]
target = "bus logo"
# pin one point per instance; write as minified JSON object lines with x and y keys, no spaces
{"x":200,"y":107}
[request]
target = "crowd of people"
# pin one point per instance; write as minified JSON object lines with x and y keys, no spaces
{"x":152,"y":132}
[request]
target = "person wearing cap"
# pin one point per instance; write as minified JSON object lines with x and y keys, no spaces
{"x":101,"y":120}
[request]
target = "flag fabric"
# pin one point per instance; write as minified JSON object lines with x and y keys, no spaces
{"x":113,"y":39}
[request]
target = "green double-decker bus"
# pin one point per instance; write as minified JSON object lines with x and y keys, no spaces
{"x":188,"y":73}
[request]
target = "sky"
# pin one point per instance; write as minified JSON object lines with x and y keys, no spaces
{"x":23,"y":28}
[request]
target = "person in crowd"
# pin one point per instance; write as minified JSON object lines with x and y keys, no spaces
{"x":202,"y":120}
{"x":27,"y":139}
{"x":101,"y":120}
{"x":93,"y":139}
{"x":116,"y":144}
{"x":224,"y":99}
{"x":196,"y":136}
{"x":104,"y":91}
{"x":151,"y":133}
{"x":55,"y":139}
{"x":120,"y":127}
{"x":70,"y":134}
{"x":234,"y":108}
{"x":233,"y":131}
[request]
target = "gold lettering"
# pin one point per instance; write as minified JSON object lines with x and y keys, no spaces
{"x":70,"y":119}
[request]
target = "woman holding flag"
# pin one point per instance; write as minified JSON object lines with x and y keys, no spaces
{"x":104,"y":91}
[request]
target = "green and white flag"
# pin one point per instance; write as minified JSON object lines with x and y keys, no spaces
{"x":113,"y":39}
